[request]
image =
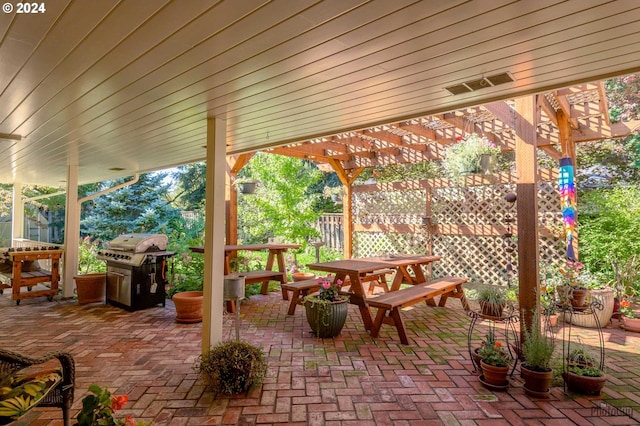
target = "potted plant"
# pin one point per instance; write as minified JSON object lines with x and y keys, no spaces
{"x":186,"y":288}
{"x":91,"y":283}
{"x":327,"y":310}
{"x":495,"y":362}
{"x":548,"y":305}
{"x":492,"y":301}
{"x":630,"y":320}
{"x":297,"y":275}
{"x":470,"y":155}
{"x":582,"y":375}
{"x":100,"y":407}
{"x":537,"y":351}
{"x":246,"y":185}
{"x":572,"y":292}
{"x":232,"y":367}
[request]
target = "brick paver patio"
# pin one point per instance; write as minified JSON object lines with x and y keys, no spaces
{"x":350,"y":380}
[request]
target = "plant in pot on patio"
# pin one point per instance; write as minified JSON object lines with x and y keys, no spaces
{"x":232,"y":367}
{"x":186,"y":288}
{"x":630,"y":320}
{"x":495,"y":362}
{"x":473,"y":154}
{"x":537,"y":350}
{"x":582,"y":375}
{"x":572,"y":292}
{"x":492,"y":301}
{"x":327,"y":310}
{"x":91,"y":283}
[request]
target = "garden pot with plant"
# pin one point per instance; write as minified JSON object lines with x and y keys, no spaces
{"x":91,"y":283}
{"x":326,"y":311}
{"x":537,"y":351}
{"x":492,"y":301}
{"x":630,"y":320}
{"x":232,"y":367}
{"x":582,"y":375}
{"x":470,"y":155}
{"x":495,"y":363}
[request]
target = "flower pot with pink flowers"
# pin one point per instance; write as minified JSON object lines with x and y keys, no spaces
{"x":326,"y":310}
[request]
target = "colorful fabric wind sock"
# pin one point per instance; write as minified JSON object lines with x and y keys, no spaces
{"x":567,"y":188}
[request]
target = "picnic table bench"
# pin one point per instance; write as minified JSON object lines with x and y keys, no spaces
{"x":389,"y":304}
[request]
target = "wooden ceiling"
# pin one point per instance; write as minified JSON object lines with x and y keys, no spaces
{"x":120,"y":87}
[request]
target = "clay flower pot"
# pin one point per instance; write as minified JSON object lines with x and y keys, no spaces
{"x":536,"y":383}
{"x":631,"y":324}
{"x":91,"y":288}
{"x":302,"y":276}
{"x":188,"y":306}
{"x":493,"y":375}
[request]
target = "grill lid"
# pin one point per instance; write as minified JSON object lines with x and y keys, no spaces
{"x":139,"y":243}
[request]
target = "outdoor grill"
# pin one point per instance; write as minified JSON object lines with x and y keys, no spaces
{"x":136,"y":270}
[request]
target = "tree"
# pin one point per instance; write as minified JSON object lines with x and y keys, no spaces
{"x":142,"y":207}
{"x":191,"y":186}
{"x":283,"y":204}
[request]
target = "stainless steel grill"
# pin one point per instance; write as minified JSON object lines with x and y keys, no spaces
{"x":137,"y":266}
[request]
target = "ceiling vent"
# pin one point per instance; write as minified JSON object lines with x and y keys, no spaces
{"x":484,"y":82}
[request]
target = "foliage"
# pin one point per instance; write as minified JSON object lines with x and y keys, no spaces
{"x":623,"y":95}
{"x":587,"y":371}
{"x":100,"y":408}
{"x":627,"y":275}
{"x":494,"y":353}
{"x":232,"y":367}
{"x":537,"y":347}
{"x":547,"y":300}
{"x":493,"y":295}
{"x":570,"y":273}
{"x":626,"y":310}
{"x":283,"y":205}
{"x":609,"y":229}
{"x":141,"y":207}
{"x":88,"y":262}
{"x":464,"y":156}
{"x":191,"y":188}
{"x":580,"y":356}
{"x":405,"y":172}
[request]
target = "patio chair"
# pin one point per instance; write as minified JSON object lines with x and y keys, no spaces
{"x":26,"y":382}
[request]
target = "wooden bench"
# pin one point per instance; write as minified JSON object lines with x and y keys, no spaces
{"x":389,"y":304}
{"x":20,"y":276}
{"x":258,"y":276}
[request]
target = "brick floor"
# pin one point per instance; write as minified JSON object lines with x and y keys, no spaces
{"x":350,"y":380}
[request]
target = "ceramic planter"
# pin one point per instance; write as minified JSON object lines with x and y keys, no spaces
{"x":631,"y":324}
{"x":188,"y":306}
{"x":326,"y":319}
{"x":494,"y":376}
{"x":91,"y":288}
{"x":536,"y":383}
{"x":584,"y":384}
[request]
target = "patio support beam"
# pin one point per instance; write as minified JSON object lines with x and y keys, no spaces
{"x":527,"y":209}
{"x":71,"y":232}
{"x":214,"y":233}
{"x":17,"y":213}
{"x":347,"y":179}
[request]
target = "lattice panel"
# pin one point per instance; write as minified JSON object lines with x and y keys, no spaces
{"x":366,"y":244}
{"x":389,"y":207}
{"x":480,"y":257}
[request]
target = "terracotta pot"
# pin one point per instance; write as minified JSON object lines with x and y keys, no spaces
{"x":631,"y":324}
{"x":91,"y":288}
{"x":536,"y":383}
{"x":579,"y":297}
{"x":326,"y":320}
{"x":302,"y":276}
{"x":584,"y":384}
{"x":188,"y":306}
{"x":496,"y":376}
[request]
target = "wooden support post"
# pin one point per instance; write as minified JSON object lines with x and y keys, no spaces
{"x":347,"y":180}
{"x":527,"y":209}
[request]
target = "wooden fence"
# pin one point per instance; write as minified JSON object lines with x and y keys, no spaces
{"x":331,"y":230}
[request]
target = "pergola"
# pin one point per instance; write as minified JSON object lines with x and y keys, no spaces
{"x":91,"y":91}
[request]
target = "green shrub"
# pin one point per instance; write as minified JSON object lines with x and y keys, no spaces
{"x":232,"y":367}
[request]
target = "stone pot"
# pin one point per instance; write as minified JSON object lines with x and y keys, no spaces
{"x":326,"y":319}
{"x":188,"y":306}
{"x":91,"y":288}
{"x":605,"y":297}
{"x":536,"y":383}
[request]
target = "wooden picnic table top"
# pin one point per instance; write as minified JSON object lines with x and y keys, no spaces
{"x":346,"y":266}
{"x":250,"y":247}
{"x":404,"y":259}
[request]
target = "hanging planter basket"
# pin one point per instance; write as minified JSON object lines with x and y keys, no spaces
{"x":248,"y":187}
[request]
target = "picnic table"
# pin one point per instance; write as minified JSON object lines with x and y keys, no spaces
{"x":408,"y":270}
